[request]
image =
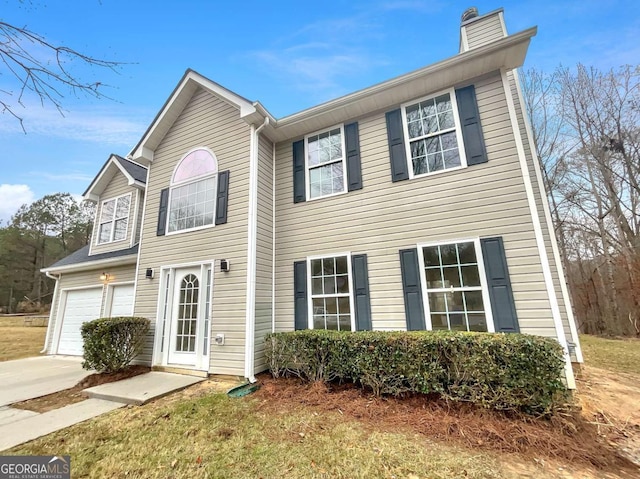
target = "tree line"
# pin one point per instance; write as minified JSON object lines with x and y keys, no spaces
{"x":37,"y":236}
{"x":586,"y":128}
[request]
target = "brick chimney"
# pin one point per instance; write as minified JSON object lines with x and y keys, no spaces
{"x":477,"y":30}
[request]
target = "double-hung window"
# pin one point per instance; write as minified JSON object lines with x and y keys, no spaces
{"x":325,"y":163}
{"x":193,"y":191}
{"x":114,"y":219}
{"x":454,"y":281}
{"x":432,"y":134}
{"x":331,"y":295}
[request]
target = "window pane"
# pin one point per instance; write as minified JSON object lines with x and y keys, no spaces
{"x":341,"y":265}
{"x":331,"y":305}
{"x":318,"y":306}
{"x":328,"y":266}
{"x":449,"y":141}
{"x":433,"y":144}
{"x":470,"y":275}
{"x":434,"y":278}
{"x":316,"y":286}
{"x":107,"y":210}
{"x":120,"y":232}
{"x":344,"y":322}
{"x":430,"y":255}
{"x":457,"y":322}
{"x":420,"y":165}
{"x":477,"y":322}
{"x":417,"y":148}
{"x":318,"y":321}
{"x":451,"y":277}
{"x":415,"y":129}
{"x":451,"y":158}
{"x":448,"y":254}
{"x":122,"y":209}
{"x":446,"y":120}
{"x":474,"y":300}
{"x":105,"y":233}
{"x":343,"y":306}
{"x":467,"y":253}
{"x":330,"y":285}
{"x":192,"y":205}
{"x":443,"y":102}
{"x":430,"y":124}
{"x":332,"y":322}
{"x":428,"y":108}
{"x":435,"y":162}
{"x":437,"y":302}
{"x":316,"y":267}
{"x":454,"y":301}
{"x":439,"y":321}
{"x":413,"y":113}
{"x":342,"y":283}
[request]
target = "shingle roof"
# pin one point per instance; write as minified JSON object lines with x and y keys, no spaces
{"x":138,"y":172}
{"x":82,"y":256}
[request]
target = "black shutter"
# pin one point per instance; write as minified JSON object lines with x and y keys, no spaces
{"x":162,"y":212}
{"x":471,"y":129}
{"x":413,"y":307}
{"x":361,"y":292}
{"x":502,"y":304}
{"x":222,"y":200}
{"x":354,"y":167}
{"x":397,"y":152}
{"x":299,"y":194}
{"x":301,"y":312}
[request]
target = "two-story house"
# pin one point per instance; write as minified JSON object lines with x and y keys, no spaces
{"x":416,"y":204}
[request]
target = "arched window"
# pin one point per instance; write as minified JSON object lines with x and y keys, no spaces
{"x":192,"y":199}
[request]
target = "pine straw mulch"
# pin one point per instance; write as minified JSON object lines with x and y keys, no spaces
{"x":74,"y":395}
{"x":567,"y":437}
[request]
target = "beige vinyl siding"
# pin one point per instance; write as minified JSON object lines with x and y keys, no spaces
{"x":264,"y":255}
{"x":86,"y":279}
{"x":484,"y":30}
{"x":210,"y":122}
{"x":547,"y":229}
{"x":384,"y":217}
{"x":118,"y":186}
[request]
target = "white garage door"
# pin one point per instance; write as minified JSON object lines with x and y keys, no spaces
{"x":122,"y":300}
{"x":81,"y":305}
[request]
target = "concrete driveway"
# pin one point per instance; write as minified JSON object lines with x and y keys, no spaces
{"x":29,"y":378}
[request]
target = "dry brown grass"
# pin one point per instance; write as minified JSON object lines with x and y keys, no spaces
{"x":18,"y":341}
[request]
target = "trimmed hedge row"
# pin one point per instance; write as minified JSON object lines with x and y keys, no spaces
{"x":499,"y":371}
{"x":110,"y":344}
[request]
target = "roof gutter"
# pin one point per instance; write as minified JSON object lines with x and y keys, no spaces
{"x":252,"y":227}
{"x":87,"y":266}
{"x":49,"y":323}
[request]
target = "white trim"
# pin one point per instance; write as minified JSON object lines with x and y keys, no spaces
{"x":62,"y":303}
{"x":252,"y":247}
{"x":504,"y":25}
{"x":135,"y":286}
{"x":310,"y":292}
{"x":131,"y":181}
{"x":464,"y":41}
{"x":113,"y":221}
{"x":343,"y":160}
{"x":547,"y":213}
{"x":51,"y":315}
{"x":89,"y":265}
{"x":484,"y":287}
{"x":94,"y":230}
{"x":537,"y":227}
{"x":457,"y":128}
{"x":161,"y":343}
{"x":134,"y":229}
{"x":109,"y":296}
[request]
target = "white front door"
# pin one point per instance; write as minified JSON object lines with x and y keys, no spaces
{"x":185,"y":338}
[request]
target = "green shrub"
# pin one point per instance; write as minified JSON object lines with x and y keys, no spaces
{"x":110,"y":344}
{"x":499,"y":371}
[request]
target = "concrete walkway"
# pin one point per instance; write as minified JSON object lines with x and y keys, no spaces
{"x":33,"y":427}
{"x":143,"y":388}
{"x":29,"y":378}
{"x":19,"y":426}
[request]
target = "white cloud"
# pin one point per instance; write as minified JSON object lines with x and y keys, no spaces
{"x":13,"y":197}
{"x":119,"y":128}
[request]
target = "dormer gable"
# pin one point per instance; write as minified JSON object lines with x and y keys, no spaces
{"x":135,"y":174}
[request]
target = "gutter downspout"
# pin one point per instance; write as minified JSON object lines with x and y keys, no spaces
{"x":55,"y":295}
{"x":273,"y":240}
{"x":252,"y":226}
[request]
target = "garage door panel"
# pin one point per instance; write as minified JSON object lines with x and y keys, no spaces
{"x":122,"y":300}
{"x":80,"y":306}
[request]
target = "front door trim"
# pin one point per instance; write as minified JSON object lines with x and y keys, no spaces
{"x":164,"y":314}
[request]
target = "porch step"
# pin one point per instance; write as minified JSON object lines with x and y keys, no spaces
{"x":178,"y":370}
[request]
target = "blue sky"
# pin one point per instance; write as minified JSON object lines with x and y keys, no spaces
{"x":288,"y":54}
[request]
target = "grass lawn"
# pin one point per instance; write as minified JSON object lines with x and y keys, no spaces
{"x":214,"y":436}
{"x":621,"y":355}
{"x":19,"y":341}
